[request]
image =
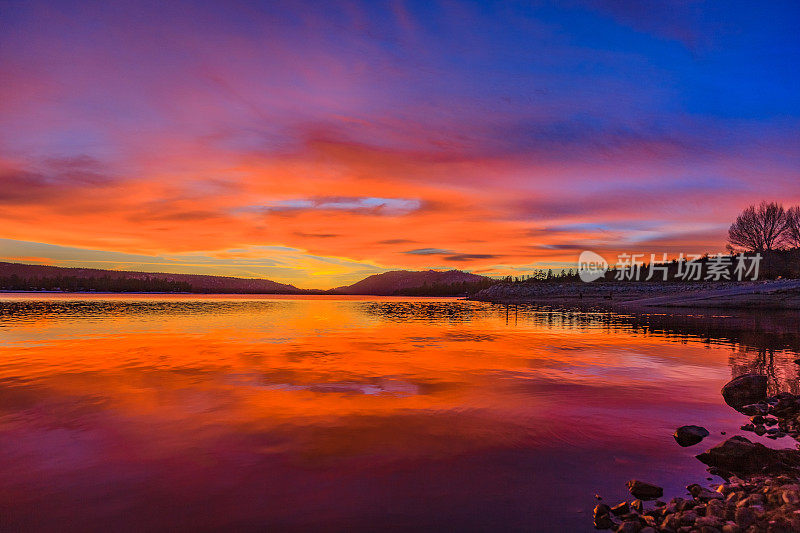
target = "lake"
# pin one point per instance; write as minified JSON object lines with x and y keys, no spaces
{"x":186,"y":412}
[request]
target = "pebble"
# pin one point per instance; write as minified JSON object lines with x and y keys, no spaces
{"x":761,"y":503}
{"x":749,"y":501}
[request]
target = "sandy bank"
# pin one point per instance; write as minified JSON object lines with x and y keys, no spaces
{"x":777,"y":294}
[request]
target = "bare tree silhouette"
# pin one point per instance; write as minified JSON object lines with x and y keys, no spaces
{"x":793,"y":226}
{"x":759,"y":229}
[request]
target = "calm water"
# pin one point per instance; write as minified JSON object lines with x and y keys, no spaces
{"x":163,"y":412}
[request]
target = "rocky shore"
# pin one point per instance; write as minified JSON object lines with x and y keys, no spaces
{"x":761,"y":487}
{"x":773,"y":294}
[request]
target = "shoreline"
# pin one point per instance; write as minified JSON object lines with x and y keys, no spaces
{"x":760,"y":490}
{"x":631,"y":295}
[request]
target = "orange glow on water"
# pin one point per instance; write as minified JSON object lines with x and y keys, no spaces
{"x":201,"y":389}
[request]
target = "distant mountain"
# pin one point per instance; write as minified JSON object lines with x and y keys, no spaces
{"x":418,"y":283}
{"x":17,"y":276}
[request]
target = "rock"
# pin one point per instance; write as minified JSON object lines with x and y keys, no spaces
{"x":629,"y":526}
{"x":745,"y":516}
{"x":601,"y":518}
{"x":601,"y":509}
{"x":708,"y":521}
{"x":767,"y":502}
{"x":755,"y":409}
{"x":688,"y":518}
{"x":739,"y":456}
{"x":791,"y":497}
{"x":649,"y":518}
{"x":603,"y":522}
{"x":745,"y":390}
{"x":703,"y":494}
{"x":621,"y":509}
{"x":644,"y":491}
{"x":670,"y":523}
{"x":786,"y":405}
{"x":690,"y":435}
{"x":750,"y":501}
{"x":716,"y":508}
{"x":686,"y":505}
{"x":716,"y":471}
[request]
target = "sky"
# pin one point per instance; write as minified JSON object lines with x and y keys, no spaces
{"x":315,"y":143}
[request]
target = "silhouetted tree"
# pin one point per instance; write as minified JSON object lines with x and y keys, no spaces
{"x":759,"y":229}
{"x":793,"y":226}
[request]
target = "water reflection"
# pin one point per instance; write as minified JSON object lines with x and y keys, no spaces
{"x":353,"y":414}
{"x":760,"y":342}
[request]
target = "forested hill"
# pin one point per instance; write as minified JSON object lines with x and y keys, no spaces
{"x":17,"y":276}
{"x":22,"y":277}
{"x":414,"y":283}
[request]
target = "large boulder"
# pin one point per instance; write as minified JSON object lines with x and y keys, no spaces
{"x":739,"y":456}
{"x":690,"y":435}
{"x":644,"y":491}
{"x":745,"y":390}
{"x":602,"y":520}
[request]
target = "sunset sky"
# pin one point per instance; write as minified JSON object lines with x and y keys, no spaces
{"x":317,"y":143}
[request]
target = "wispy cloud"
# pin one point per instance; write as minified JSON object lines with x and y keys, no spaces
{"x":428,"y":251}
{"x":368,"y":205}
